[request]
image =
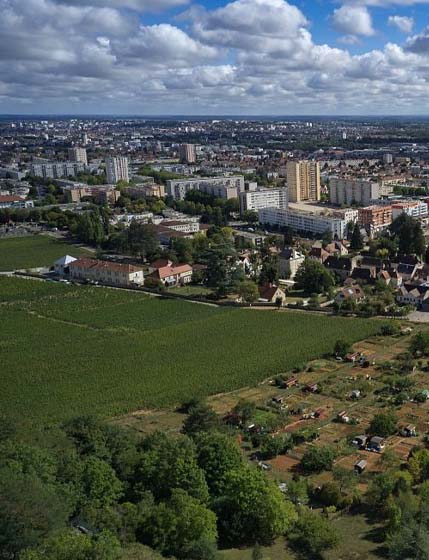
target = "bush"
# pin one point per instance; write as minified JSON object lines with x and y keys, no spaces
{"x":318,"y":459}
{"x":383,"y":424}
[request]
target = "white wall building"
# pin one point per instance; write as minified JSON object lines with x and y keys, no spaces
{"x":304,"y":221}
{"x":220,"y":187}
{"x":414,"y":208}
{"x":263,"y":198}
{"x":117,"y":169}
{"x":78,"y":154}
{"x":57,"y":170}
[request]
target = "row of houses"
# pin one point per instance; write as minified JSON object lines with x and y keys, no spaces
{"x":118,"y":274}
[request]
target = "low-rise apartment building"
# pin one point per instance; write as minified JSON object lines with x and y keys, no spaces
{"x":106,"y":272}
{"x":263,"y":198}
{"x":414,"y":208}
{"x":304,"y":221}
{"x":220,"y":187}
{"x":11,"y":201}
{"x":143,"y":190}
{"x":375,"y":218}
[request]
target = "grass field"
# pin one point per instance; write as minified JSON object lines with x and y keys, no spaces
{"x":68,"y":350}
{"x":31,"y":252}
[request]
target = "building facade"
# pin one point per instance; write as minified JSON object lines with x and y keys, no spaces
{"x":414,"y":208}
{"x":220,"y":187}
{"x":57,"y":170}
{"x":375,"y":218}
{"x":304,"y":221}
{"x":303,"y":180}
{"x":263,"y":198}
{"x":78,"y":154}
{"x":117,"y":169}
{"x":106,"y":272}
{"x":187,"y":153}
{"x":352,"y":191}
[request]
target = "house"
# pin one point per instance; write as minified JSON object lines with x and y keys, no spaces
{"x":106,"y":272}
{"x":364,"y":275}
{"x":337,"y":249}
{"x":289,"y":262}
{"x":341,"y":266}
{"x":288,"y":383}
{"x":311,"y":388}
{"x":352,"y":357}
{"x":355,"y":394}
{"x":278,"y":399}
{"x":271,"y":294}
{"x":376,"y":444}
{"x":342,"y":417}
{"x":360,"y":441}
{"x":169,"y":274}
{"x":61,"y":266}
{"x":408,"y":431}
{"x":318,"y":253}
{"x":360,"y":466}
{"x":353,"y":293}
{"x":416,"y":295}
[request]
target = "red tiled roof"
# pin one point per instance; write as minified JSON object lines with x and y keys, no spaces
{"x":104,"y":265}
{"x":10,"y":198}
{"x":167,"y":271}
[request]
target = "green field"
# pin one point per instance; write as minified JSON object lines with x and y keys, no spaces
{"x":68,"y":350}
{"x":31,"y":252}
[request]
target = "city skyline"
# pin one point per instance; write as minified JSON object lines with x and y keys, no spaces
{"x":245,"y":57}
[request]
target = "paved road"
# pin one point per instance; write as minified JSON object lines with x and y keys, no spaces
{"x":419,"y":317}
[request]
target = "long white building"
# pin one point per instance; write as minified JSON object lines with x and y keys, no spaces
{"x":352,"y":191}
{"x":264,"y":198}
{"x":220,"y":187}
{"x":57,"y":170}
{"x":304,"y":221}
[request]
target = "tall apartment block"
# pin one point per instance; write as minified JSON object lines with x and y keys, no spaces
{"x":78,"y":154}
{"x":352,"y":191}
{"x":303,"y":180}
{"x":117,"y":169}
{"x":187,"y":153}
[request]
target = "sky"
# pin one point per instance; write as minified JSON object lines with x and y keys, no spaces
{"x":214,"y":57}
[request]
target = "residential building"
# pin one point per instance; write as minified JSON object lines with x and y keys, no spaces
{"x":169,"y":274}
{"x":187,"y":153}
{"x":304,"y":221}
{"x":61,"y":266}
{"x":271,"y":294}
{"x":117,"y":169}
{"x":352,"y":191}
{"x":11,"y":201}
{"x":289,"y":262}
{"x":102,"y":193}
{"x":185,"y":227}
{"x":303,"y":180}
{"x":106,"y":272}
{"x":220,"y":187}
{"x":375,"y":218}
{"x":57,"y":170}
{"x":143,"y":190}
{"x":78,"y":154}
{"x":247,"y":239}
{"x":263,"y":198}
{"x":414,"y":208}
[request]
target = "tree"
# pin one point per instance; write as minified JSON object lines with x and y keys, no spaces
{"x":223,"y":272}
{"x":101,"y":487}
{"x":142,"y":240}
{"x":420,"y":344}
{"x":30,"y":511}
{"x":313,"y":533}
{"x":341,"y":348}
{"x":248,"y":291}
{"x":179,"y":525}
{"x":202,"y":418}
{"x":409,"y":235}
{"x":356,"y":242}
{"x":313,"y":277}
{"x":69,"y":545}
{"x":170,"y":463}
{"x":217,"y":455}
{"x":383,"y":424}
{"x":252,"y":509}
{"x":317,"y":459}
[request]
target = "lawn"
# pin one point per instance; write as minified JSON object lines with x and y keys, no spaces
{"x":34,"y":251}
{"x":68,"y":350}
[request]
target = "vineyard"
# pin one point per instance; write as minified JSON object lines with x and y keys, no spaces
{"x":68,"y":350}
{"x":31,"y":252}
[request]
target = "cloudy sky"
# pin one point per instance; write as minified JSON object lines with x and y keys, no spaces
{"x":249,"y":57}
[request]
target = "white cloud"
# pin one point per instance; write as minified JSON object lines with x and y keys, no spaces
{"x":140,"y":5}
{"x":353,"y":20}
{"x":250,"y":56}
{"x":403,"y":23}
